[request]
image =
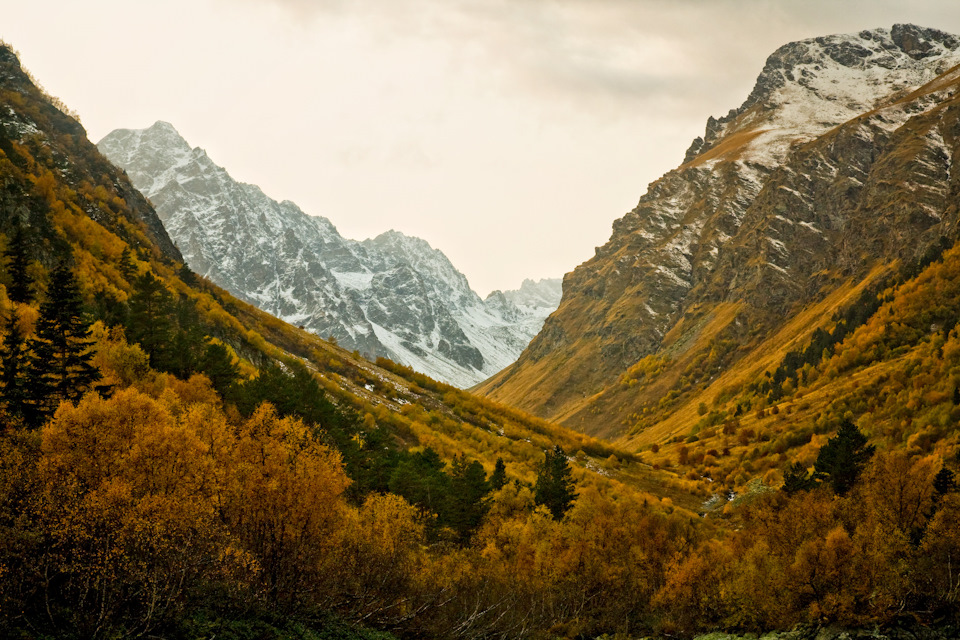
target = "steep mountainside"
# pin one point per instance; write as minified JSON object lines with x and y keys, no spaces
{"x":64,"y":196}
{"x":837,"y":167}
{"x":391,"y":296}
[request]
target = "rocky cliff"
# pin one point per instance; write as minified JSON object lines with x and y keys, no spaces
{"x":32,"y":123}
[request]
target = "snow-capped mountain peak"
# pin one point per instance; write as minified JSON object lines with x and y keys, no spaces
{"x":811,"y":86}
{"x":393,"y":295}
{"x":841,"y":159}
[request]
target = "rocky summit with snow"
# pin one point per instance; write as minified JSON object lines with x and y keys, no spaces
{"x":393,"y":295}
{"x":838,"y":166}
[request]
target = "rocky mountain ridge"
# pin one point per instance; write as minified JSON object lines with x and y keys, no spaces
{"x":392,"y":296}
{"x":838,"y":163}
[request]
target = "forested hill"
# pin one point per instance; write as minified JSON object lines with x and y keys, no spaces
{"x":57,"y":143}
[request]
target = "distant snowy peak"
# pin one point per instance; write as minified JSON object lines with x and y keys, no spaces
{"x":532,"y":300}
{"x":393,"y":295}
{"x":424,"y":259}
{"x":811,"y":86}
{"x":545,"y":293}
{"x":161,"y":143}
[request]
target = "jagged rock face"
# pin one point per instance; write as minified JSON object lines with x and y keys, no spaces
{"x":841,"y":158}
{"x":392,"y":296}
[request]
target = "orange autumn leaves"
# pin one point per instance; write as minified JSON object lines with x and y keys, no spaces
{"x":862,"y":559}
{"x":141,"y":498}
{"x":144,"y":506}
{"x":140,"y":508}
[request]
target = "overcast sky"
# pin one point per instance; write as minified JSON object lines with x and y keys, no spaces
{"x":510,"y":134}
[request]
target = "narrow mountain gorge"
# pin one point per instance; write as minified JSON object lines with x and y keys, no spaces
{"x":838,"y":167}
{"x":392,"y":296}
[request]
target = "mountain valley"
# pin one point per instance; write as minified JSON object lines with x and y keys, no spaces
{"x":743,"y":414}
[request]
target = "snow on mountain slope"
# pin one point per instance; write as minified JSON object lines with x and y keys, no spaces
{"x":808,"y":87}
{"x":392,"y":296}
{"x":840,"y":157}
{"x":538,"y":298}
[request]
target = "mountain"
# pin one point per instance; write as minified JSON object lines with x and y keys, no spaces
{"x":392,"y":296}
{"x":111,"y":201}
{"x":538,"y":299}
{"x":837,"y":168}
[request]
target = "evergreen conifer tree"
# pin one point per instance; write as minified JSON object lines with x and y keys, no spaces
{"x":187,"y":276}
{"x":499,"y":476}
{"x":296,"y":393}
{"x":555,"y":487}
{"x":18,"y":253}
{"x":127,"y":267}
{"x":187,"y":347}
{"x":150,"y":320}
{"x":218,"y":365}
{"x":797,"y":478}
{"x":420,"y":479}
{"x":467,"y":498}
{"x":59,"y":366}
{"x":842,"y":459}
{"x":13,"y":361}
{"x":944,"y":482}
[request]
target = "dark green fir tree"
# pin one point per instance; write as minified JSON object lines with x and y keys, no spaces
{"x":944,"y":482}
{"x":188,"y":277}
{"x":468,"y":502}
{"x":150,"y":321}
{"x":128,"y":269}
{"x":18,"y":260}
{"x":13,"y":366}
{"x":796,"y":478}
{"x":59,"y":366}
{"x":420,"y":479}
{"x":842,"y":459}
{"x":555,"y":488}
{"x":218,"y":365}
{"x":187,"y":345}
{"x":499,"y":476}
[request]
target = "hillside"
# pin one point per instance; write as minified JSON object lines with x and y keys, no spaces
{"x":392,"y":296}
{"x":836,"y":169}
